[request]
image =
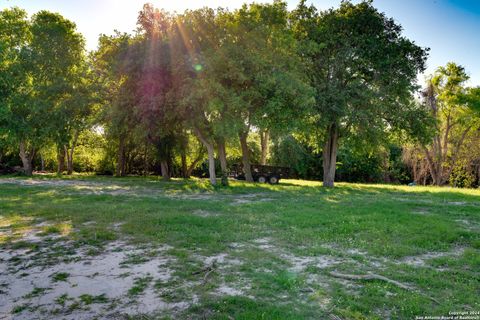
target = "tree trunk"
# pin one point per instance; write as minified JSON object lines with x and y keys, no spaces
{"x":69,"y":161}
{"x":61,"y":159}
{"x":211,"y":164}
{"x":211,"y":155}
{"x":433,"y":167}
{"x":145,"y":160}
{"x":165,"y":171}
{"x":247,"y":170}
{"x":70,"y":152}
{"x":222,"y":156}
{"x":194,"y":163}
{"x":330,"y":156}
{"x":455,"y":155}
{"x":120,"y":172}
{"x":415,"y":167}
{"x":183,"y":157}
{"x":27,"y":158}
{"x":42,"y":163}
{"x":264,"y":139}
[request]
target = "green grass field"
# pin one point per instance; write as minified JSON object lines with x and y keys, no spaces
{"x":185,"y":250}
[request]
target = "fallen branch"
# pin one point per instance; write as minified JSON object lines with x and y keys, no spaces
{"x":207,"y":270}
{"x":369,"y":277}
{"x":205,"y":278}
{"x":381,"y":278}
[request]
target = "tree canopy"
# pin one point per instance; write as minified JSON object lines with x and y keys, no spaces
{"x":199,"y":91}
{"x":363,"y":71}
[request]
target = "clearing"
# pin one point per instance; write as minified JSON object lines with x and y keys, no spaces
{"x":128,"y":248}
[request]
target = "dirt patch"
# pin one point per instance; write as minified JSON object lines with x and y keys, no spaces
{"x":34,"y":232}
{"x":422,"y":260}
{"x":214,"y":271}
{"x":117,"y":226}
{"x":204,"y":213}
{"x":53,"y":182}
{"x":421,"y":211}
{"x":457,"y":203}
{"x":413,"y":200}
{"x":439,"y":202}
{"x":356,"y":252}
{"x":194,"y":196}
{"x":299,"y":263}
{"x":264,"y":243}
{"x":81,"y":187}
{"x":85,"y":187}
{"x":225,"y":290}
{"x":251,"y":198}
{"x":84,"y":285}
{"x":50,"y":276}
{"x":219,"y":261}
{"x":467,"y":224}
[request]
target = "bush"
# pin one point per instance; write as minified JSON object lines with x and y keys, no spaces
{"x":462,"y":176}
{"x":289,"y":152}
{"x":359,"y":166}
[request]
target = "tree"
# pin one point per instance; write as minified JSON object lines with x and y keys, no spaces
{"x":265,"y":80}
{"x":75,"y":112}
{"x":456,"y":111}
{"x":82,"y":114}
{"x":15,"y":83}
{"x":57,"y":63}
{"x":203,"y":105}
{"x":363,"y":70}
{"x":117,"y":92}
{"x":44,"y":54}
{"x":155,"y":80}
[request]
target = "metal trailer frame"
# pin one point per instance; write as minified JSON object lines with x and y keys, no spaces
{"x":262,"y":173}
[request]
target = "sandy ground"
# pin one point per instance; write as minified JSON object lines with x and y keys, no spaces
{"x":31,"y":278}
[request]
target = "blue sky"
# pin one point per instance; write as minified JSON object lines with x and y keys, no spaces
{"x":451,"y":28}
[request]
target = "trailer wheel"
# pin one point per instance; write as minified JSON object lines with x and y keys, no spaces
{"x":262,"y":179}
{"x":273,"y":180}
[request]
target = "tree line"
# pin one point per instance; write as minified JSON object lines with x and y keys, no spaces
{"x":205,"y":88}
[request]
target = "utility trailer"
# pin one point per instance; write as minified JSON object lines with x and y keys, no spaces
{"x":261,"y":173}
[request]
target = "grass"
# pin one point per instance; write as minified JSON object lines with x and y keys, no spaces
{"x":89,"y":299}
{"x":364,"y":228}
{"x":139,"y":285}
{"x":19,"y":309}
{"x":61,"y":300}
{"x":60,"y":276}
{"x":36,"y":292}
